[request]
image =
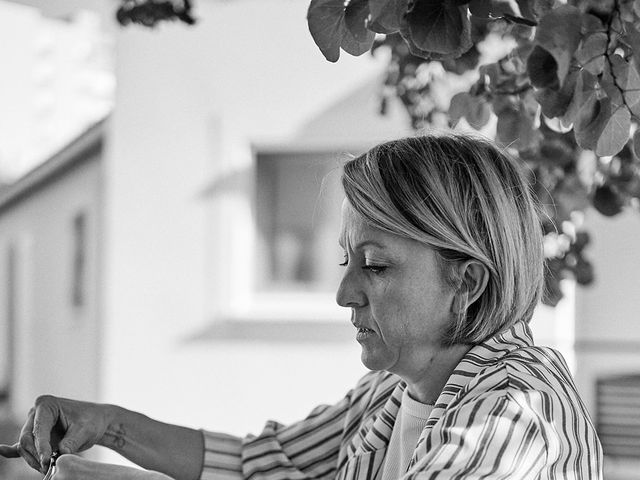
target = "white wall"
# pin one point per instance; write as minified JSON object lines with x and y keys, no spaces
{"x":189,"y":105}
{"x":57,"y":80}
{"x":57,"y":345}
{"x":608,"y":313}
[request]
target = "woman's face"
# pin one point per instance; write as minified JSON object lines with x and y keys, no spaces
{"x":399,"y":301}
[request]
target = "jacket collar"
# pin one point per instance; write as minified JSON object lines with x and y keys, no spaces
{"x":368,"y":457}
{"x":479,"y":357}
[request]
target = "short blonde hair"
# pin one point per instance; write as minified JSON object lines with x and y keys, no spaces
{"x":466,"y":199}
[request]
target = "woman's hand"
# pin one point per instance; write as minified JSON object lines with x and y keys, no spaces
{"x":71,"y":426}
{"x":72,"y":467}
{"x":68,"y":426}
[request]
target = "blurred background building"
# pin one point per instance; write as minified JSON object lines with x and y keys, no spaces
{"x":168,"y":227}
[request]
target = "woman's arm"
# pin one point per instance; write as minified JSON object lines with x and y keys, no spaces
{"x":171,"y":449}
{"x":72,"y":426}
{"x":73,"y":467}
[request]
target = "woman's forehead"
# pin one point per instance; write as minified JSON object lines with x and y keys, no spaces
{"x":357,"y":233}
{"x":354,"y":229}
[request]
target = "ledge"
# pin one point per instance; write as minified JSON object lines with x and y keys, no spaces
{"x":275,"y":331}
{"x":622,"y":346}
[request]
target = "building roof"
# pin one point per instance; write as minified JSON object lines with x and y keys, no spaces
{"x":74,"y":153}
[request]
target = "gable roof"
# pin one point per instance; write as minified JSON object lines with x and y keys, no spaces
{"x":80,"y":149}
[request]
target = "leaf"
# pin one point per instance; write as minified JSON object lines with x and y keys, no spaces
{"x":357,"y":38}
{"x":570,"y":196}
{"x":627,"y":79}
{"x":582,"y":240}
{"x":632,"y":38}
{"x":636,"y":143}
{"x":615,"y":133}
{"x":542,"y":68}
{"x":480,"y":8}
{"x":479,"y":112}
{"x":556,"y":125}
{"x":555,"y":103}
{"x":501,"y":7}
{"x":436,"y":28}
{"x":556,"y":152}
{"x":607,"y":201}
{"x":519,"y":20}
{"x":516,"y":129}
{"x":474,"y":109}
{"x":508,"y":129}
{"x":591,"y":120}
{"x":559,"y":34}
{"x":552,"y":275}
{"x":542,"y":7}
{"x":526,"y":9}
{"x":467,"y":61}
{"x":586,"y":88}
{"x":326,"y":24}
{"x":591,"y":24}
{"x":334,"y":25}
{"x":387,"y":15}
{"x":459,"y":107}
{"x":625,"y":11}
{"x":591,"y":52}
{"x":608,"y":83}
{"x":583,"y":272}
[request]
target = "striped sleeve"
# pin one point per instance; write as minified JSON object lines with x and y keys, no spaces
{"x":222,"y":455}
{"x":497,"y":435}
{"x":307,"y":449}
{"x":304,"y":450}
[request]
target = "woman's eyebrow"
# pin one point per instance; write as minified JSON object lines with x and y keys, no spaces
{"x":364,"y":243}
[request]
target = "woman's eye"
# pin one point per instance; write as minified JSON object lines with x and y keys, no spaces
{"x":377,"y":269}
{"x":345,"y":262}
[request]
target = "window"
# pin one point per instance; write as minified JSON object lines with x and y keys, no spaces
{"x":7,"y":324}
{"x":298,"y":199}
{"x":78,"y":293}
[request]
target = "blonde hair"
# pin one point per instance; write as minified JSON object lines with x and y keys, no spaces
{"x":466,"y":199}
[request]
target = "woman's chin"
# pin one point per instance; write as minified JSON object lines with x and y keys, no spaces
{"x":374,"y":360}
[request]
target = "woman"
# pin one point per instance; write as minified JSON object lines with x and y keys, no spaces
{"x":443,"y":268}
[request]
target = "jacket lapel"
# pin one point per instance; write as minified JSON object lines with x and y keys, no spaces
{"x":480,"y":356}
{"x":369,"y":455}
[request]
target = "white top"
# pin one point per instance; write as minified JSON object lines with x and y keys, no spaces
{"x":411,"y":420}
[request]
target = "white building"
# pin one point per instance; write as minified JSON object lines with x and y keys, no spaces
{"x":178,"y":258}
{"x":58,"y":78}
{"x":192,"y":290}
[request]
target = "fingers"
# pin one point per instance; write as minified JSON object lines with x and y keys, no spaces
{"x":74,"y":440}
{"x":45,"y":417}
{"x":26,"y":445}
{"x":10,"y":451}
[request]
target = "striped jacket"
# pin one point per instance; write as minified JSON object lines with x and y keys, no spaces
{"x":510,"y":410}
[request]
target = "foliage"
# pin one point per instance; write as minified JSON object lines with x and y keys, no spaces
{"x":565,"y":98}
{"x":150,"y":12}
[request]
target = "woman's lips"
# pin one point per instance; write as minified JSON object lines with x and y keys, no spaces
{"x":363,"y":333}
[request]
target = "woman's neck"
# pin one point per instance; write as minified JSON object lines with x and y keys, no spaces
{"x":426,"y":384}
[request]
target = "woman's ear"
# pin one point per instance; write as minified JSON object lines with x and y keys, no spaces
{"x":474,"y":278}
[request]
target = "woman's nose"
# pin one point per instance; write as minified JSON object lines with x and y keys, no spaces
{"x":349,"y":292}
